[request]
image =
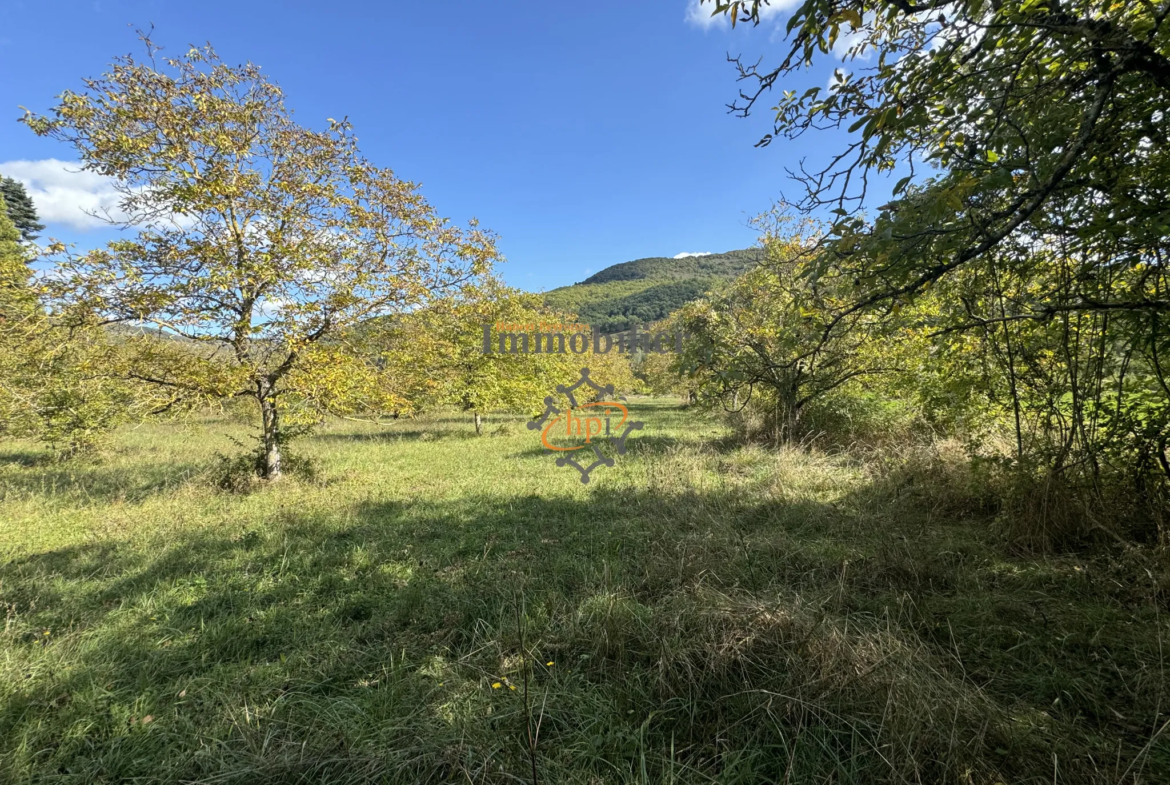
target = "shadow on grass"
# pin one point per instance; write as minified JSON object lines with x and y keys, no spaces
{"x":92,"y":479}
{"x":395,"y":434}
{"x":27,"y":458}
{"x":696,"y":635}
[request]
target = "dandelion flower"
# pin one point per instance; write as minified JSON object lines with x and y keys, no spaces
{"x":497,"y":685}
{"x":549,"y":663}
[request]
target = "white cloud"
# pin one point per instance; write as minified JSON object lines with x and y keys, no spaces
{"x":699,"y":14}
{"x":63,"y":194}
{"x":777,"y":7}
{"x":685,"y":255}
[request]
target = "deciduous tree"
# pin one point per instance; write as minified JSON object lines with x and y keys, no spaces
{"x":259,"y":241}
{"x":437,"y":354}
{"x":1045,"y":118}
{"x":18,"y":323}
{"x":55,"y":383}
{"x":771,"y":337}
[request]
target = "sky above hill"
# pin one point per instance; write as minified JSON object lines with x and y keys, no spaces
{"x":585,"y":134}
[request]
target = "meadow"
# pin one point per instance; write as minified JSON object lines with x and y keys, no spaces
{"x":433,"y":606}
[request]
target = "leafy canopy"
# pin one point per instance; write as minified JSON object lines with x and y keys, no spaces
{"x":770,"y":338}
{"x":1045,"y":118}
{"x":55,"y":383}
{"x":259,"y":241}
{"x":438,"y":352}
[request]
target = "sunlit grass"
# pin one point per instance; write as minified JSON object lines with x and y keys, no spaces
{"x":711,"y":613}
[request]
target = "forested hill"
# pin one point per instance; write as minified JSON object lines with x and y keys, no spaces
{"x":646,"y":290}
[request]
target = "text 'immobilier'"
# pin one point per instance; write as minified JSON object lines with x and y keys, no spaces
{"x":556,"y":338}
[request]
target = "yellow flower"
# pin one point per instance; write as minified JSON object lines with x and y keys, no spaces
{"x":497,"y":685}
{"x":549,"y":664}
{"x":511,"y":686}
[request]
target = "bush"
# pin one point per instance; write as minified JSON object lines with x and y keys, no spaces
{"x":1031,"y":507}
{"x":75,"y":419}
{"x":242,"y":473}
{"x":847,"y":417}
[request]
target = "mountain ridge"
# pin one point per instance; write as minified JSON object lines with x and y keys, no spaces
{"x":646,"y":290}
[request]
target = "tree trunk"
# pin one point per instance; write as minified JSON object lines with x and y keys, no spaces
{"x":271,"y":428}
{"x":785,"y":420}
{"x":778,"y":417}
{"x":478,"y":424}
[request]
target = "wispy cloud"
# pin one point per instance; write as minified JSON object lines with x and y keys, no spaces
{"x":684,"y":255}
{"x":699,"y":14}
{"x":63,"y":194}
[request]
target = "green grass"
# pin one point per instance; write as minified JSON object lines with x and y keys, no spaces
{"x":713,"y":613}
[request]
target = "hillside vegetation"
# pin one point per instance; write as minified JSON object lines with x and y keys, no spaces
{"x":646,"y":290}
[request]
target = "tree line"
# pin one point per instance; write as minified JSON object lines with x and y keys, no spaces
{"x":1015,"y":285}
{"x":1017,"y":281}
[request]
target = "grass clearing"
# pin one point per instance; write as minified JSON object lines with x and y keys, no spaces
{"x":701,"y":612}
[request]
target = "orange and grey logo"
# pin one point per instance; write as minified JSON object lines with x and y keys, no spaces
{"x":585,"y":425}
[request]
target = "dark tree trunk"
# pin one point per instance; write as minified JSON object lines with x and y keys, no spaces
{"x":478,"y":424}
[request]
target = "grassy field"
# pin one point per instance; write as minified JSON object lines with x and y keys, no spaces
{"x":701,"y":612}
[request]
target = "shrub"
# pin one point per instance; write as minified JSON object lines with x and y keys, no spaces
{"x":243,"y":472}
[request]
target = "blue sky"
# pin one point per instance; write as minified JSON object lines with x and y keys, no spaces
{"x":585,"y":134}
